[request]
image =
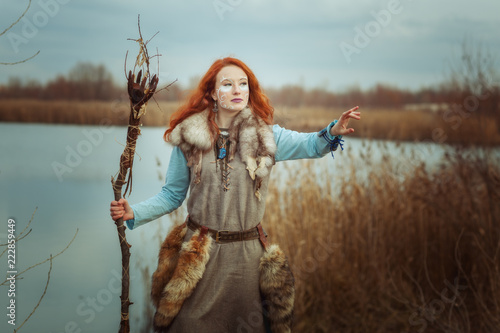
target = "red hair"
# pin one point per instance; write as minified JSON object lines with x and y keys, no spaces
{"x":201,"y":99}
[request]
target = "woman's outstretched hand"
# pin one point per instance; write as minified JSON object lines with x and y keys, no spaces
{"x":340,"y":127}
{"x":121,"y":208}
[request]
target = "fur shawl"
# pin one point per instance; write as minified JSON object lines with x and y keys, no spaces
{"x":249,"y":135}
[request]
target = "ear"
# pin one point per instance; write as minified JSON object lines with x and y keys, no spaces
{"x":214,"y":96}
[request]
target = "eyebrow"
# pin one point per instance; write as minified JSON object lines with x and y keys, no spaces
{"x":225,"y":78}
{"x":231,"y":80}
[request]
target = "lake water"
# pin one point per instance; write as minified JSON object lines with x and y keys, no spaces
{"x":65,"y":171}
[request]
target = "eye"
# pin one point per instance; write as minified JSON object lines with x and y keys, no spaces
{"x":243,"y":84}
{"x":227,"y":84}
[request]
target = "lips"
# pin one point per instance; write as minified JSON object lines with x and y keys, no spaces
{"x":237,"y":100}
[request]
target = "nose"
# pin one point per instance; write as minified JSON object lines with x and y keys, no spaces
{"x":237,"y":89}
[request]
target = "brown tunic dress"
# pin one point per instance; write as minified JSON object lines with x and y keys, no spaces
{"x":227,"y":298}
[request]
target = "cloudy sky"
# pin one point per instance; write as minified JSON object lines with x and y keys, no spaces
{"x":318,"y":43}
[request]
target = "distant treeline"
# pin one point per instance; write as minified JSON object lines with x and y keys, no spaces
{"x":87,"y":81}
{"x":84,"y":82}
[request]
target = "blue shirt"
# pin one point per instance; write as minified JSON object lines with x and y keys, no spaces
{"x":290,"y":145}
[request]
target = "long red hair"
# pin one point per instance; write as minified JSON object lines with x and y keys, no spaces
{"x":201,"y":98}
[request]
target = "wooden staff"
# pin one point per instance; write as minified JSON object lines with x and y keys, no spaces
{"x":140,"y":90}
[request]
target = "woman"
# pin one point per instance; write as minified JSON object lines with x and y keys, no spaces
{"x":216,"y":272}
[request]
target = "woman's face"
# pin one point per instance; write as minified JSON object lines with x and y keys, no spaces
{"x":231,"y":89}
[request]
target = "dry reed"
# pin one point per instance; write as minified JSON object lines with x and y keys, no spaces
{"x":393,"y":250}
{"x":391,"y":124}
{"x":375,"y":124}
{"x":82,"y":112}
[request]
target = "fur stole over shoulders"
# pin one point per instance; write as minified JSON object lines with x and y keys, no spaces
{"x":249,"y":136}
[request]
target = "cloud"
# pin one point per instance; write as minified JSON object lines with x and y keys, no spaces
{"x":281,"y":40}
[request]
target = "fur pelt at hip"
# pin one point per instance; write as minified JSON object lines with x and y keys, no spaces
{"x":177,"y":274}
{"x":277,"y":289}
{"x":249,"y":135}
{"x":167,"y":261}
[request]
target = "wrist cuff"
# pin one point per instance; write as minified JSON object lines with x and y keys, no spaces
{"x":333,"y":141}
{"x":130,"y":223}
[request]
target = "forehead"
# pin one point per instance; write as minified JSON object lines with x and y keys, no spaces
{"x":231,"y":72}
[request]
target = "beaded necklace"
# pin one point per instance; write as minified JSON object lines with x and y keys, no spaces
{"x":221,"y":149}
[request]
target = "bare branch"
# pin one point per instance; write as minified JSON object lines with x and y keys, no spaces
{"x":44,"y":261}
{"x":10,"y":27}
{"x":19,"y":62}
{"x":19,"y":19}
{"x":125,"y":65}
{"x":21,"y":236}
{"x":17,"y":240}
{"x":40,"y":300}
{"x":29,"y":223}
{"x":166,"y":87}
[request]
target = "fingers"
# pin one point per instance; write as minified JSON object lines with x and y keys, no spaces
{"x":352,"y":110}
{"x":116,"y":212}
{"x":352,"y":114}
{"x":340,"y":128}
{"x":117,"y":208}
{"x":124,"y":203}
{"x":115,"y":216}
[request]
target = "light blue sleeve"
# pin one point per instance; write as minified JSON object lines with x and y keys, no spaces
{"x":171,"y":196}
{"x":293,"y":145}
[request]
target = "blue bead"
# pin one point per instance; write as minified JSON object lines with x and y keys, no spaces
{"x":222,"y":153}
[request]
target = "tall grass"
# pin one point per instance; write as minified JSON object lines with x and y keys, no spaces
{"x":394,"y":124}
{"x":391,"y":249}
{"x":82,"y":112}
{"x":376,"y":123}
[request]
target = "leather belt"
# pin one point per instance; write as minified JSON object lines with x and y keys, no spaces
{"x":225,"y":236}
